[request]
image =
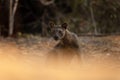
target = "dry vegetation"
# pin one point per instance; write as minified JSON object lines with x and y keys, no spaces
{"x":24,"y":59}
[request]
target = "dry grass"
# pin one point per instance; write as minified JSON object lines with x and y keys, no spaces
{"x":24,"y":59}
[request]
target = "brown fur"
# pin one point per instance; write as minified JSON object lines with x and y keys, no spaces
{"x":70,"y":40}
{"x":66,"y":49}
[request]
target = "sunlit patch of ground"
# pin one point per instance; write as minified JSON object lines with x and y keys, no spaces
{"x":25,"y":59}
{"x":20,"y":70}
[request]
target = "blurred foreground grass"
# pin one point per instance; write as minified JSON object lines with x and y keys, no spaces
{"x":24,"y":59}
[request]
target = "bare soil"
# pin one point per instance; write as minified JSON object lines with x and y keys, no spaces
{"x":25,"y":58}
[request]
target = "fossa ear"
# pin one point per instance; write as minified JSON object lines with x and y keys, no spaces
{"x":51,"y":24}
{"x":64,"y":25}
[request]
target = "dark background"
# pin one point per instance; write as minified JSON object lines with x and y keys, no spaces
{"x":85,"y":17}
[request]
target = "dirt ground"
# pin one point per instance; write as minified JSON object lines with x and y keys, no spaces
{"x":25,"y":59}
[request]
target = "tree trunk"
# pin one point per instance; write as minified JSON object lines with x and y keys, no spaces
{"x":88,"y":4}
{"x":93,"y":20}
{"x":10,"y":19}
{"x":11,"y":16}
